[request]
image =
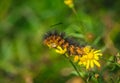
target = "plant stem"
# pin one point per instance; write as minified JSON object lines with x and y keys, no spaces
{"x":74,"y":11}
{"x":78,"y":19}
{"x":74,"y":66}
{"x":76,"y":69}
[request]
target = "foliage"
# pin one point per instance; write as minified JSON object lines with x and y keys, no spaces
{"x":23,"y":23}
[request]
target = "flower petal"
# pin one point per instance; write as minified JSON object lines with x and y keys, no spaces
{"x":80,"y":63}
{"x":96,"y":57}
{"x":99,"y":54}
{"x":88,"y":64}
{"x":97,"y":63}
{"x":97,"y":51}
{"x":60,"y":50}
{"x":76,"y":58}
{"x":91,"y":64}
{"x":84,"y":63}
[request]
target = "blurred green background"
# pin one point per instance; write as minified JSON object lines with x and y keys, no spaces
{"x":23,"y":23}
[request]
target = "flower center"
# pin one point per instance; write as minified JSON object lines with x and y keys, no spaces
{"x":90,"y":55}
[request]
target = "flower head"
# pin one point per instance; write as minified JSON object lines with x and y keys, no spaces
{"x":90,"y":57}
{"x":60,"y":50}
{"x":76,"y":58}
{"x":69,"y":3}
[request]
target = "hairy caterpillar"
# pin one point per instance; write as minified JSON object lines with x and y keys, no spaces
{"x":55,"y":39}
{"x":84,"y":55}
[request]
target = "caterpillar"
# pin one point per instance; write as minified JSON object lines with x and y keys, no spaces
{"x":55,"y":39}
{"x":84,"y":55}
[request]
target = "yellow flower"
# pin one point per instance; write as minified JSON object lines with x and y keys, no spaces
{"x":69,"y":3}
{"x":90,"y":57}
{"x":76,"y":58}
{"x":60,"y":50}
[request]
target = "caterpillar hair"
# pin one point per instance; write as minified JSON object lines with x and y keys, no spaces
{"x":55,"y":39}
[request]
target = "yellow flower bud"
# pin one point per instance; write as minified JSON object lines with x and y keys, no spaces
{"x":69,"y":3}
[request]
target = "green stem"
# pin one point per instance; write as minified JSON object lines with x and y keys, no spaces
{"x":74,"y":11}
{"x":78,"y":19}
{"x":74,"y":66}
{"x":76,"y":69}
